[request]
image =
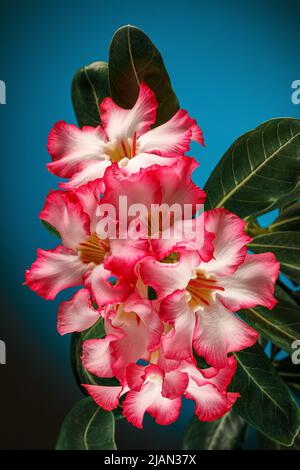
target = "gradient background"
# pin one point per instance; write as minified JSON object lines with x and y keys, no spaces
{"x":231,"y":64}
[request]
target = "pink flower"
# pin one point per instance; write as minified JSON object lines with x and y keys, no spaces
{"x":156,"y":391}
{"x":126,"y":138}
{"x":198,"y":298}
{"x":86,"y":258}
{"x":78,"y":260}
{"x":155,"y":187}
{"x":133,"y":330}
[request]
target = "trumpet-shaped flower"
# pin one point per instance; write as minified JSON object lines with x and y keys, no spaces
{"x":198,"y":298}
{"x":79,"y":260}
{"x":158,"y":392}
{"x":157,"y":193}
{"x":133,"y":330}
{"x":125,"y":137}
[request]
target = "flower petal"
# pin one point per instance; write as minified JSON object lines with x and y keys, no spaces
{"x":76,"y":314}
{"x":96,"y":356}
{"x":125,"y":254}
{"x":230,"y":242}
{"x":178,"y":187}
{"x":187,"y":234}
{"x":219,"y":332}
{"x":120,"y":123}
{"x":86,"y":172}
{"x":68,"y":146}
{"x":64,"y":212}
{"x":165,"y":411}
{"x":139,"y":188}
{"x":144,"y":160}
{"x":147,"y":314}
{"x":173,"y":137}
{"x":135,"y":376}
{"x":136,"y":403}
{"x":141,"y":328}
{"x":104,"y":396}
{"x":252,"y":284}
{"x":174,"y":384}
{"x":220,"y":378}
{"x":103,"y":291}
{"x":210,"y":403}
{"x":174,"y":310}
{"x":89,"y":197}
{"x":165,"y":278}
{"x":55,"y":270}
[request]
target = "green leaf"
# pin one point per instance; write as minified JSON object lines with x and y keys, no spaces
{"x":260,"y":171}
{"x":265,"y":401}
{"x":263,"y":443}
{"x":133,"y":59}
{"x":90,"y":86}
{"x":226,"y":433}
{"x":281,"y":325}
{"x":50,"y":228}
{"x":288,"y":219}
{"x":284,"y":294}
{"x":286,"y":248}
{"x":290,"y":373}
{"x":87,"y":427}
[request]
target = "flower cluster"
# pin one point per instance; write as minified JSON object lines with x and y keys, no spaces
{"x":168,"y":300}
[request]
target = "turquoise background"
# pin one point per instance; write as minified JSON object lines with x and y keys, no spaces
{"x":231,"y":64}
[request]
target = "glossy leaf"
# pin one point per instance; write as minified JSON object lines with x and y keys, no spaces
{"x":226,"y":433}
{"x":50,"y":228}
{"x":263,"y":443}
{"x":87,"y":427}
{"x":133,"y":59}
{"x":265,"y":400}
{"x":289,"y":372}
{"x":288,"y":219}
{"x":89,"y":87}
{"x":260,"y":171}
{"x":284,"y":294}
{"x":280,"y":325}
{"x":286,"y":248}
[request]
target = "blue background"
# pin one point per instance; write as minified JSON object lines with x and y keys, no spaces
{"x":231,"y":64}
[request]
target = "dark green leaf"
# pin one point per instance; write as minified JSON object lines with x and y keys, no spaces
{"x":265,"y":401}
{"x":288,"y":219}
{"x":226,"y":433}
{"x":285,"y":294}
{"x":296,"y":295}
{"x":263,"y":443}
{"x":260,"y":171}
{"x":89,"y":87}
{"x":50,"y":228}
{"x":281,"y":325}
{"x":289,"y":372}
{"x":133,"y":59}
{"x":87,"y":427}
{"x":286,"y":248}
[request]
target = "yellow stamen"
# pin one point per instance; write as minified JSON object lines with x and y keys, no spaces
{"x":201,"y":289}
{"x":154,"y":356}
{"x":93,"y":250}
{"x":172,"y":258}
{"x":123,"y":148}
